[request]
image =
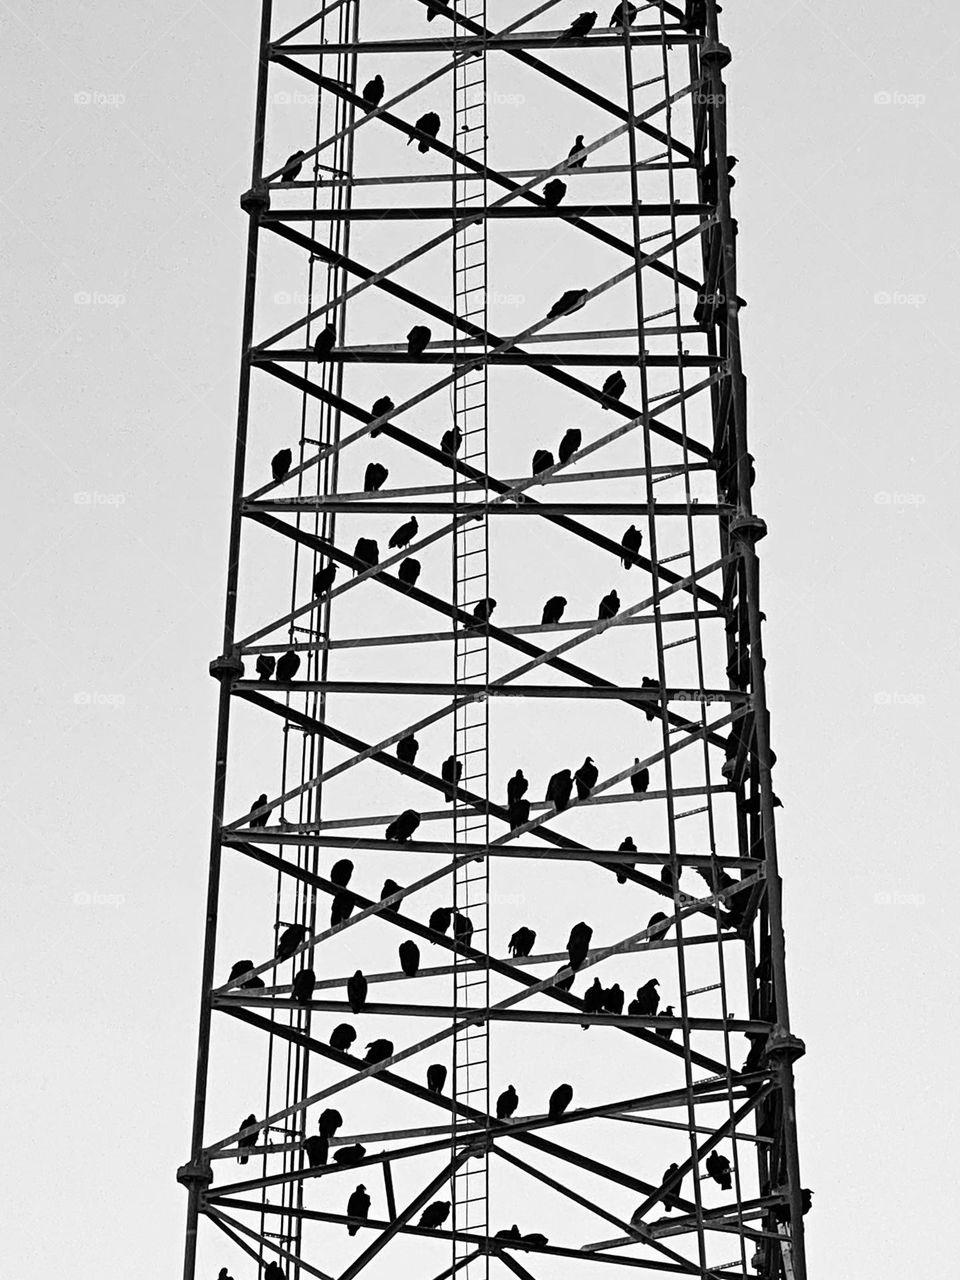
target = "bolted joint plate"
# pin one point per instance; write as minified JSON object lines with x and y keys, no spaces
{"x":783,"y":1047}
{"x":194,"y":1175}
{"x":227,"y":667}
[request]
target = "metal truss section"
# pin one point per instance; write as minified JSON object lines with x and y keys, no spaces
{"x":493,"y":815}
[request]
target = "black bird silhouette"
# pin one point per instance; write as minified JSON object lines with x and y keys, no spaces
{"x":542,"y":460}
{"x":613,"y":999}
{"x":281,"y":463}
{"x":462,"y":929}
{"x":670,"y":1200}
{"x":631,"y":542}
{"x":648,"y":999}
{"x":373,"y":92}
{"x":609,"y":606}
{"x":665,"y":1032}
{"x":407,"y":749}
{"x":380,"y":409}
{"x":649,"y":710}
{"x":317,"y":1149}
{"x":579,"y":27}
{"x":586,"y":778}
{"x":323,"y":578}
{"x":223,"y":1274}
{"x":718,"y":1167}
{"x":624,"y":15}
{"x":659,"y":926}
{"x":593,"y":1000}
{"x":782,"y":1211}
{"x":244,"y":966}
{"x":326,"y":341}
{"x":265,"y":664}
{"x":342,"y":1037}
{"x":330,"y":1121}
{"x":260,"y":801}
{"x":367,"y":552}
{"x":667,"y":878}
{"x":568,"y":302}
{"x":577,"y":146}
{"x":507,"y":1103}
{"x":521,"y":944}
{"x":341,"y":871}
{"x":274,"y":1271}
{"x":291,"y":938}
{"x":440,"y":919}
{"x":436,"y":1077}
{"x":578,"y":944}
{"x":569,"y":445}
{"x":303,"y":985}
{"x":450,"y":441}
{"x":695,"y":15}
{"x":626,"y":847}
{"x":483,"y":609}
{"x":429,"y":123}
{"x":418,"y":339}
{"x":402,"y":827}
{"x":287,"y":666}
{"x":553,"y":610}
{"x":405,"y":534}
{"x":560,"y":1099}
{"x":374,"y":477}
{"x":436,"y":1214}
{"x":408,"y":571}
{"x":614,"y":387}
{"x":291,"y":169}
{"x":640,"y":780}
{"x":378,"y":1051}
{"x":516,"y":787}
{"x":558,"y":790}
{"x":554,"y":192}
{"x":357,"y":992}
{"x":535,"y":1238}
{"x":248,"y":1142}
{"x":349,"y":1155}
{"x":341,"y":908}
{"x":409,"y":958}
{"x":358,"y":1206}
{"x":518,"y":814}
{"x":510,"y":1233}
{"x":390,"y":887}
{"x":451,"y":771}
{"x":433,"y":8}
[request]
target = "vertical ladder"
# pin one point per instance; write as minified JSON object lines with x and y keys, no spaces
{"x":471,"y":580}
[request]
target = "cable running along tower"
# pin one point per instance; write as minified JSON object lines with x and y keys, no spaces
{"x":494,"y":974}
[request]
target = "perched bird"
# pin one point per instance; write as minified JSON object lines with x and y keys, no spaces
{"x":341,"y":871}
{"x":326,"y":341}
{"x":572,"y":439}
{"x":609,"y":606}
{"x":408,"y":571}
{"x":649,"y":709}
{"x":358,"y":1206}
{"x":287,"y":666}
{"x":516,"y":787}
{"x":483,"y":609}
{"x":378,"y":1051}
{"x":507,"y":1103}
{"x":291,"y":169}
{"x":440,"y":919}
{"x":436,"y":1214}
{"x":614,"y":387}
{"x":244,"y":966}
{"x":782,"y":1211}
{"x":274,"y":1271}
{"x":535,"y":1238}
{"x":436,"y":1077}
{"x":323,"y":578}
{"x":318,"y":1150}
{"x":568,"y":302}
{"x":631,"y":542}
{"x":265,"y":664}
{"x":542,"y":460}
{"x":586,"y":778}
{"x":648,"y":999}
{"x":341,"y":908}
{"x":280,"y":464}
{"x":510,"y":1233}
{"x":248,"y":1141}
{"x":409,"y":958}
{"x":404,"y":535}
{"x":430,"y":125}
{"x":670,"y":1200}
{"x":521,"y":944}
{"x":303,"y":985}
{"x":593,"y":1000}
{"x":667,"y":878}
{"x":624,"y":15}
{"x":451,"y":441}
{"x":260,"y":801}
{"x":357,"y":992}
{"x":367,"y":552}
{"x":665,"y":1032}
{"x":718,"y":1167}
{"x":291,"y":938}
{"x":639,"y":779}
{"x":553,"y":611}
{"x":613,"y":999}
{"x":658,"y":925}
{"x":418,"y":339}
{"x":578,"y":944}
{"x":374,"y":477}
{"x":381,"y":409}
{"x":342,"y":1037}
{"x":390,"y":887}
{"x":462,"y":929}
{"x":577,"y":146}
{"x":627,"y":846}
{"x":330,"y":1121}
{"x":373,"y":92}
{"x":433,"y":8}
{"x":402,"y":827}
{"x":451,"y":771}
{"x":558,"y":790}
{"x":560,"y":1099}
{"x":223,"y":1274}
{"x":554,"y":192}
{"x":407,"y":749}
{"x":518,"y":814}
{"x":580,"y":27}
{"x":349,"y":1155}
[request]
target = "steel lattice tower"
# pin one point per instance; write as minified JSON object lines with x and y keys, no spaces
{"x":541,"y":276}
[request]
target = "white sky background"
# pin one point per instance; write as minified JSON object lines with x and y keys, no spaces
{"x":112,"y":605}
